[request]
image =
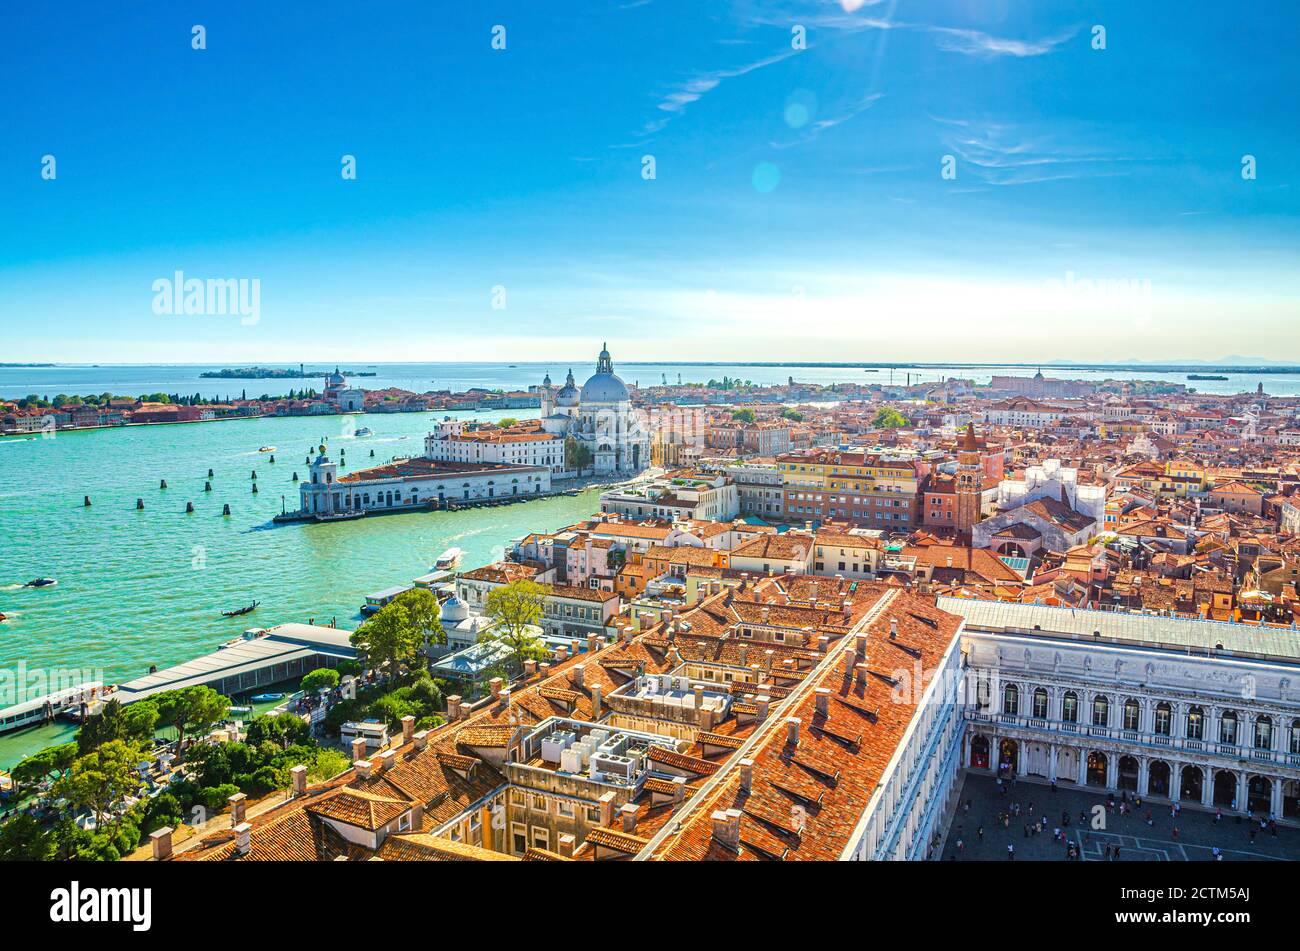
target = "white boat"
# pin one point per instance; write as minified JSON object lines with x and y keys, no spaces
{"x":448,"y":560}
{"x":365,"y":431}
{"x":267,"y":449}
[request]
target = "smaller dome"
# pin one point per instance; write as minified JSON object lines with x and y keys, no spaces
{"x":453,"y":611}
{"x":568,"y":395}
{"x":335,"y":378}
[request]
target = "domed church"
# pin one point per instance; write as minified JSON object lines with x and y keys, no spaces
{"x":600,"y":416}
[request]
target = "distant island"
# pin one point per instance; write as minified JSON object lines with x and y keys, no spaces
{"x":11,"y":366}
{"x":271,"y":373}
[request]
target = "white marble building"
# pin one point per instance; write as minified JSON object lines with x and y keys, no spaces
{"x":600,"y":416}
{"x":1186,"y":710}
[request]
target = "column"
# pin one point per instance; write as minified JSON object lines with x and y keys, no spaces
{"x":1112,"y":771}
{"x":1051,"y":769}
{"x":1175,"y":780}
{"x":1083,"y":767}
{"x":1207,"y":786}
{"x":1241,"y":792}
{"x":1275,"y":803}
{"x":1022,"y":758}
{"x":1142,"y":775}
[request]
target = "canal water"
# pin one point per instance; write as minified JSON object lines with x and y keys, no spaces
{"x":137,"y":588}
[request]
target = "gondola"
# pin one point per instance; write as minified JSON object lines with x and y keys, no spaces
{"x":238,"y":611}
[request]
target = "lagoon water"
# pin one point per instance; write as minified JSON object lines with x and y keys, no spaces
{"x":140,"y":588}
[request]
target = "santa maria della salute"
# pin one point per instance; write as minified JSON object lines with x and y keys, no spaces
{"x":600,"y":417}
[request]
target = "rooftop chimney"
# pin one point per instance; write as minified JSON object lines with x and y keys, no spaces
{"x":544,"y":669}
{"x":860,"y":647}
{"x":298,"y":776}
{"x":421,"y":740}
{"x":593,"y":643}
{"x":579,"y":674}
{"x":823,"y":700}
{"x":408,"y":728}
{"x":628,"y":812}
{"x":679,"y":788}
{"x":792,"y":730}
{"x":726,"y":828}
{"x":823,"y":643}
{"x":243,"y":838}
{"x":893,"y":628}
{"x":358,"y":748}
{"x":747,"y":775}
{"x":607,"y":808}
{"x":495,"y":683}
{"x":860,"y":673}
{"x":238,"y":807}
{"x":386,"y":760}
{"x":162,"y":843}
{"x":744,"y":655}
{"x":596,"y":690}
{"x":504,"y":697}
{"x":566,"y":843}
{"x":363,"y":768}
{"x":530,"y":667}
{"x":453,"y":707}
{"x":762,"y":701}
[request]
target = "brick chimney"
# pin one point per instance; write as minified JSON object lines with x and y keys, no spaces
{"x":679,"y":788}
{"x":628,"y":812}
{"x":762,"y":701}
{"x":453,"y":707}
{"x":495,"y":683}
{"x":747,"y":775}
{"x":579,"y":674}
{"x":860,"y":673}
{"x":544,"y":670}
{"x":243,"y":838}
{"x":596,"y":701}
{"x":566,"y":843}
{"x":161,"y":840}
{"x":593,"y":643}
{"x":823,"y":700}
{"x":530,"y":668}
{"x":408,"y":728}
{"x":358,"y":748}
{"x":792,"y":731}
{"x":238,"y":808}
{"x":607,"y":809}
{"x":421,"y":740}
{"x":860,"y":646}
{"x":298,"y":775}
{"x":726,"y":828}
{"x":561,"y":654}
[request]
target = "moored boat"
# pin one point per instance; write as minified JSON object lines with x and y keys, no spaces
{"x":266,"y":697}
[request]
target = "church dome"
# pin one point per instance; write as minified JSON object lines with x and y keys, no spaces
{"x":335,"y":378}
{"x":604,"y":386}
{"x":453,"y":611}
{"x":568,"y":395}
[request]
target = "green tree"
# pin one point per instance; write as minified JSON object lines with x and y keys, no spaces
{"x":792,"y":414}
{"x":507,"y":422}
{"x":23,"y":839}
{"x":101,"y":779}
{"x":283,"y":730}
{"x":192,"y":709}
{"x":425,"y":615}
{"x":745,"y":416}
{"x":322,"y":678}
{"x":134,"y":724}
{"x":51,"y":762}
{"x":514,"y":610}
{"x":888,"y":418}
{"x":388,"y":638}
{"x":577,"y":456}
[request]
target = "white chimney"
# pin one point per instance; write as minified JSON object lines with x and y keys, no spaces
{"x":893,"y":628}
{"x":243,"y":838}
{"x":607,"y":809}
{"x":747,"y":775}
{"x":761,"y":702}
{"x":530,"y":667}
{"x":679,"y":788}
{"x":504,"y":697}
{"x":386,"y":760}
{"x":596,"y":690}
{"x":579,"y":674}
{"x":823,"y":700}
{"x":726,"y":827}
{"x":567,"y":842}
{"x":421,"y":740}
{"x":238,"y":808}
{"x":298,"y":775}
{"x":363,"y":768}
{"x":860,"y":673}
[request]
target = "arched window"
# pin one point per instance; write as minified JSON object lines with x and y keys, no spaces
{"x":1164,"y":718}
{"x":1295,"y":736}
{"x":1228,"y":727}
{"x":982,"y":691}
{"x":1070,"y":707}
{"x":1195,"y":723}
{"x":1132,"y":714}
{"x":1263,"y":733}
{"x":1101,"y":710}
{"x":1040,"y":704}
{"x":1011,"y":699}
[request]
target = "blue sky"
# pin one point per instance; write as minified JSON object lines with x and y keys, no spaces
{"x":1098,"y":209}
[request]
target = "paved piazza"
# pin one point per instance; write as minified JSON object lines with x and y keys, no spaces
{"x":1198,"y":834}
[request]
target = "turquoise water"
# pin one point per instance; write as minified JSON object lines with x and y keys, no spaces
{"x":141,"y":588}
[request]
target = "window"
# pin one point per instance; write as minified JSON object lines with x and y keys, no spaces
{"x":1295,"y":736}
{"x":1070,"y":707}
{"x":1101,"y":711}
{"x":1196,"y":724}
{"x":1164,"y":718}
{"x":1040,"y":703}
{"x":541,"y":838}
{"x":1263,"y":733}
{"x":1228,"y":727}
{"x":1132,"y":715}
{"x":1011,"y":699}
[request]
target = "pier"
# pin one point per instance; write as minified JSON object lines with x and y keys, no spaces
{"x":285,"y":652}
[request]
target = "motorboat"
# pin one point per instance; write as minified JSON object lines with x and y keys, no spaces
{"x":266,"y":697}
{"x":365,"y":431}
{"x":40,"y":583}
{"x":267,"y":449}
{"x":448,"y":560}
